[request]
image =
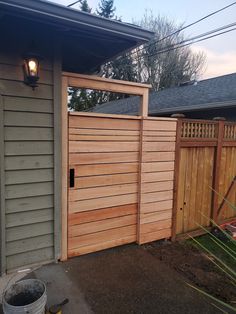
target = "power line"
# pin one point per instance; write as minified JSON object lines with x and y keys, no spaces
{"x":184,"y":44}
{"x":187,"y":26}
{"x":216,"y":30}
{"x":193,"y":40}
{"x":70,"y":5}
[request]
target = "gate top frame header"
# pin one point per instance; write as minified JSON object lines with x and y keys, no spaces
{"x":110,"y":85}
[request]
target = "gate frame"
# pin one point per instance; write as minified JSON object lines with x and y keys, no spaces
{"x":95,"y":83}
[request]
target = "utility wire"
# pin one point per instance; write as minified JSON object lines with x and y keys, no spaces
{"x":70,"y":5}
{"x":187,"y":26}
{"x":216,"y":30}
{"x":187,"y":44}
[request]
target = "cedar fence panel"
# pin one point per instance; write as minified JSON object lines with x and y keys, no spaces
{"x":205,"y":160}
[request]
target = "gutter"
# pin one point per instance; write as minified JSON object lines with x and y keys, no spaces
{"x":72,"y":17}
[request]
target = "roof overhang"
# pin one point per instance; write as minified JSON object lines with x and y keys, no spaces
{"x":107,"y":37}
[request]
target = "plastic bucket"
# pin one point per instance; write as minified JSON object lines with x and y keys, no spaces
{"x":26,"y":296}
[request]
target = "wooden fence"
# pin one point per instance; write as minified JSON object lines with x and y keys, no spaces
{"x":139,"y":178}
{"x":205,"y":161}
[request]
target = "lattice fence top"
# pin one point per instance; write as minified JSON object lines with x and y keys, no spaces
{"x":230,"y":131}
{"x":194,"y":129}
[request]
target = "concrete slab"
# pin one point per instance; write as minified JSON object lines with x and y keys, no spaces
{"x":122,"y":280}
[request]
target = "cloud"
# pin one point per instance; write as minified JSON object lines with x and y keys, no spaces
{"x":217,"y":63}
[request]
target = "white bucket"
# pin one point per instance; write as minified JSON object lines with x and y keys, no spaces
{"x":26,"y":296}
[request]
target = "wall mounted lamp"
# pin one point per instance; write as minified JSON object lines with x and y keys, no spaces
{"x":31,"y":68}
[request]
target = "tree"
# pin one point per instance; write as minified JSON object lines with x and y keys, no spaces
{"x":84,"y":6}
{"x":170,"y":68}
{"x":106,"y":9}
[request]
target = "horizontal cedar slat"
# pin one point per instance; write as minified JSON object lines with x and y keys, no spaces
{"x":97,"y":147}
{"x":102,"y":158}
{"x":103,"y":138}
{"x":158,"y":166}
{"x":155,"y":226}
{"x":103,"y":236}
{"x":156,"y":206}
{"x":154,"y":236}
{"x":109,"y":132}
{"x":159,"y":146}
{"x":103,"y":202}
{"x":102,"y":123}
{"x":158,"y":156}
{"x":101,"y":246}
{"x":102,"y":180}
{"x":157,"y":186}
{"x":158,"y":176}
{"x":153,"y":134}
{"x":94,"y":170}
{"x":156,"y":196}
{"x":159,"y":139}
{"x":100,"y":214}
{"x":98,"y":226}
{"x":90,"y":193}
{"x":159,"y":125}
{"x":156,"y":216}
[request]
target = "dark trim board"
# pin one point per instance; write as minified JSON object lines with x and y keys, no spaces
{"x":2,"y":192}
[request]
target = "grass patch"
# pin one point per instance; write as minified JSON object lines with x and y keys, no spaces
{"x":208,"y":242}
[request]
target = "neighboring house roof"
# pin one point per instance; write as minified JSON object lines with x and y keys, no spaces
{"x":210,"y":93}
{"x":87,"y":39}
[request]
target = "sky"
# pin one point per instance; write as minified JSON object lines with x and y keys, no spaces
{"x":220,"y":51}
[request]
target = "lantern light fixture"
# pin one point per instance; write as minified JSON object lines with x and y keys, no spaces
{"x":31,"y":68}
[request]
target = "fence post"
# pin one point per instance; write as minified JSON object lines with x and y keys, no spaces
{"x":176,"y":178}
{"x":216,"y":171}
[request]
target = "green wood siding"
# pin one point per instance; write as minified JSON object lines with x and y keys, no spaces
{"x":28,"y":142}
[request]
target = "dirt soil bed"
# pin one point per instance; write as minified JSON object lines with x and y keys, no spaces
{"x":195,"y":268}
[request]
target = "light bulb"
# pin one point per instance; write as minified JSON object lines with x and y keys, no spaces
{"x":32,"y":67}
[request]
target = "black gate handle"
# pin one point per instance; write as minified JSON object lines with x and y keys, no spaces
{"x":72,"y":178}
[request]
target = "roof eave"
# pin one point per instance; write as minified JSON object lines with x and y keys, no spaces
{"x":69,"y":16}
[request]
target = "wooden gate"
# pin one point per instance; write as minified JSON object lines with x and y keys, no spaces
{"x":206,"y":160}
{"x":103,"y":191}
{"x":117,"y":173}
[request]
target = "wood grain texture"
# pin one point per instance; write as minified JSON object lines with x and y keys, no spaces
{"x":104,"y":153}
{"x":91,"y":193}
{"x":105,"y":169}
{"x":103,"y":158}
{"x":98,"y":226}
{"x":102,"y":202}
{"x":157,"y":179}
{"x":102,"y":123}
{"x":105,"y":180}
{"x":101,"y":214}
